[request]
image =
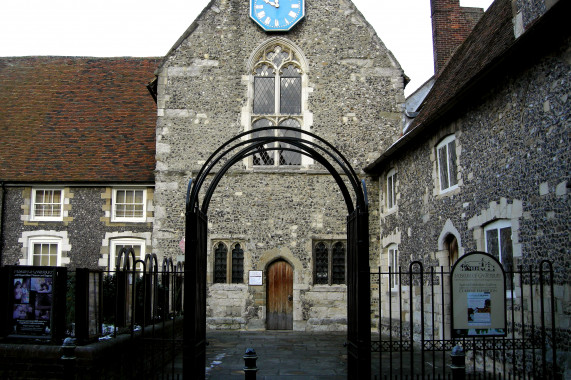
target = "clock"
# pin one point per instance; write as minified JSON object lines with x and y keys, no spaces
{"x":277,"y":15}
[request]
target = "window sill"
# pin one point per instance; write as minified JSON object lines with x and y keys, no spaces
{"x":451,"y":191}
{"x":128,"y":221}
{"x":46,"y":220}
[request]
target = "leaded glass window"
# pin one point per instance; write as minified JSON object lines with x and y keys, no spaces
{"x":329,"y":257}
{"x":228,"y":268}
{"x":277,"y":101}
{"x":220,"y":257}
{"x":338,"y":263}
{"x":237,"y":264}
{"x":321,"y":263}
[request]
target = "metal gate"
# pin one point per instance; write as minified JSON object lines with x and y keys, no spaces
{"x":411,"y":310}
{"x":236,"y":150}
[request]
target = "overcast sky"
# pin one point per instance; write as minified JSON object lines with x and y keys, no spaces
{"x":145,"y":28}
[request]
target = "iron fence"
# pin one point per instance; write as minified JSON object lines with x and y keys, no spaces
{"x":411,"y":308}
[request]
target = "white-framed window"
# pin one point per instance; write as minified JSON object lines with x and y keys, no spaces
{"x":393,"y":255}
{"x":447,"y":164}
{"x":47,"y":204}
{"x":228,"y":266}
{"x":115,"y":246}
{"x":129,"y":205}
{"x":44,"y":251}
{"x":391,"y":189}
{"x":499,"y":243}
{"x":277,"y":100}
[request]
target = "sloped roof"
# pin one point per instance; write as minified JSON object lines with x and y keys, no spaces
{"x":70,"y":119}
{"x":475,"y":63}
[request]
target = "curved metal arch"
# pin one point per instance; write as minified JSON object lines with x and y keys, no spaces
{"x":313,"y":135}
{"x":269,"y":139}
{"x":194,"y":186}
{"x":252,"y":149}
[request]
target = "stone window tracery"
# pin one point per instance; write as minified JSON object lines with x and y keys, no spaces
{"x":228,"y":268}
{"x":329,"y":262}
{"x":277,"y":101}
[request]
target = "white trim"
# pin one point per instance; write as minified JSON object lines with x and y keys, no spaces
{"x":34,"y":217}
{"x":113,"y":243}
{"x":115,"y":218}
{"x":391,"y":175}
{"x":393,"y":264}
{"x":32,"y":242}
{"x":444,"y":143}
{"x":30,"y":237}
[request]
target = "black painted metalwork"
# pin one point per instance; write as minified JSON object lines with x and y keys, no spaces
{"x":410,"y":346}
{"x":297,"y":141}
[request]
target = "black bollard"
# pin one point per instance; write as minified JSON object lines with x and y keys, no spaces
{"x":250,"y":368}
{"x":458,"y":365}
{"x":68,"y":358}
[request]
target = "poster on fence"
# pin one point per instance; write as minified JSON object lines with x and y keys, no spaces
{"x":32,"y":301}
{"x":478,"y":296}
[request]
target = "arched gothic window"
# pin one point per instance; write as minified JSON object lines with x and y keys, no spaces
{"x":237,"y":264}
{"x":329,"y":257}
{"x":277,"y":101}
{"x":228,"y":268}
{"x":220,"y":254}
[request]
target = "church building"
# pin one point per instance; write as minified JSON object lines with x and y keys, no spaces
{"x":316,"y":66}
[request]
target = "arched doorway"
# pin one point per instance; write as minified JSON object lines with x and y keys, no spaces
{"x":236,"y":150}
{"x":279,"y":293}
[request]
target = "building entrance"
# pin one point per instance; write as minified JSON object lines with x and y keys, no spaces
{"x":280,"y":273}
{"x":279,"y":315}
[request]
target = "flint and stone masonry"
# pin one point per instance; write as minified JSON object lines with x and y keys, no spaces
{"x":352,"y":96}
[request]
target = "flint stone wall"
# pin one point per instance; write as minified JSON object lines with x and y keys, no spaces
{"x":354,"y":98}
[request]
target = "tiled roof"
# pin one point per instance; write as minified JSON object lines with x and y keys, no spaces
{"x":475,"y":66}
{"x":69,"y":119}
{"x":490,"y":38}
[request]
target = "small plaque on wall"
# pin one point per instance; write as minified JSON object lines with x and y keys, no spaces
{"x":255,"y":277}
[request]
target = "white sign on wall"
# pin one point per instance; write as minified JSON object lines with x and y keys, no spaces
{"x":255,"y":277}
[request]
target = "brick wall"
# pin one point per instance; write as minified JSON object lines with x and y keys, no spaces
{"x":451,"y":24}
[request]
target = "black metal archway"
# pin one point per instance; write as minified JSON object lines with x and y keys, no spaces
{"x":358,"y":279}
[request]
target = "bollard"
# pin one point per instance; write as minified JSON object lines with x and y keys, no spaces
{"x":68,"y":358}
{"x":458,"y":365}
{"x":250,"y":368}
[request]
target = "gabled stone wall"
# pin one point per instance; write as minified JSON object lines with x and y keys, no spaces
{"x":352,"y":97}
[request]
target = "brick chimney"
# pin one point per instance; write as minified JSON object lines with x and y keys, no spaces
{"x":451,"y":24}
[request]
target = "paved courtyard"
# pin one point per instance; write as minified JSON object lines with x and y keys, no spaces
{"x":281,"y":355}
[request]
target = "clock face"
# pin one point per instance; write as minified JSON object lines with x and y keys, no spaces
{"x":277,"y":15}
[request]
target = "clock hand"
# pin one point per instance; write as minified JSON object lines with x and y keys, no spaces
{"x":276,"y":4}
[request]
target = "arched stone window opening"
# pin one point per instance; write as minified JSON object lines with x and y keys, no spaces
{"x":451,"y":245}
{"x":220,"y":259}
{"x":277,"y":99}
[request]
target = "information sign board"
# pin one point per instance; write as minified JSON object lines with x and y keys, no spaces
{"x":255,"y":277}
{"x":478,"y":296}
{"x":32,"y":300}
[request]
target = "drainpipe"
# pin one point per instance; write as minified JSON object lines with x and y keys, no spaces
{"x":2,"y":221}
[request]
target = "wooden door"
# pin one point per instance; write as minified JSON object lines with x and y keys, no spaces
{"x":280,"y":296}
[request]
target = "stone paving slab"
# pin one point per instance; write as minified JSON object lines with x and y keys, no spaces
{"x":281,"y":355}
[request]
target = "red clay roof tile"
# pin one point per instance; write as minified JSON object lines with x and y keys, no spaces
{"x":69,"y":119}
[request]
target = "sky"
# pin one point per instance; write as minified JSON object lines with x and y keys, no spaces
{"x":145,"y":28}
